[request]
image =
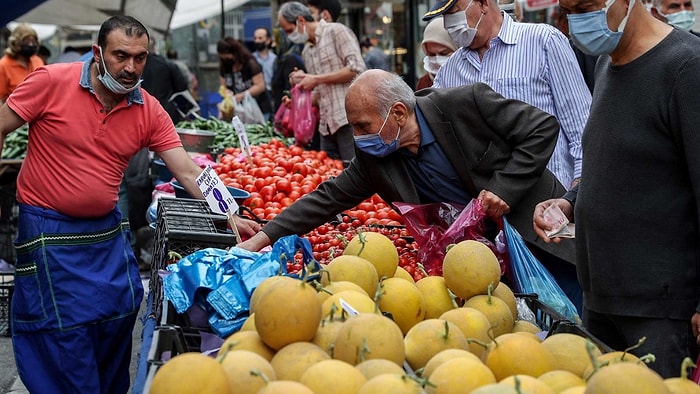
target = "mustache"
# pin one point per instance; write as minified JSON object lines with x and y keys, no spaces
{"x":127,"y":75}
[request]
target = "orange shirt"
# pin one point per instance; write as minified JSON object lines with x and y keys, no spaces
{"x":12,"y":73}
{"x":77,"y":153}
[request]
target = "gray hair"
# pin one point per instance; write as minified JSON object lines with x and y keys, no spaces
{"x":390,"y":90}
{"x":292,"y":10}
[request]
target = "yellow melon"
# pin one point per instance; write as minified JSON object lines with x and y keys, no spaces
{"x":293,"y":360}
{"x":333,"y":377}
{"x":326,"y":333}
{"x":516,"y":354}
{"x":610,"y":358}
{"x":353,"y":269}
{"x":403,"y":274}
{"x":441,"y":357}
{"x":377,"y":366}
{"x":527,"y":384}
{"x":289,"y":311}
{"x":560,"y":380}
{"x":495,"y":310}
{"x":526,"y":326}
{"x":469,"y":267}
{"x":204,"y":375}
{"x":681,"y":384}
{"x":436,"y":296}
{"x":285,"y":387}
{"x":391,"y":383}
{"x":459,"y":375}
{"x":369,"y":336}
{"x":243,"y":369}
{"x":473,"y":324}
{"x":376,"y":248}
{"x":504,"y":292}
{"x":249,"y":323}
{"x":247,"y":340}
{"x":430,"y":337}
{"x":570,"y":352}
{"x":260,"y":290}
{"x":403,"y":300}
{"x":497,"y":388}
{"x":626,"y":377}
{"x":338,"y":286}
{"x":356,"y":300}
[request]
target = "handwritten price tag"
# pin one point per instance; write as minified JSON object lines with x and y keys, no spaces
{"x":215,"y":192}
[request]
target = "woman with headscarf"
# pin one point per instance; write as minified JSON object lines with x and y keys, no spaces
{"x":20,"y":59}
{"x":437,"y":47}
{"x":240,"y":72}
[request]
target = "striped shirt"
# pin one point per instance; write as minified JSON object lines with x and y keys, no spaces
{"x":534,"y":63}
{"x":336,"y":47}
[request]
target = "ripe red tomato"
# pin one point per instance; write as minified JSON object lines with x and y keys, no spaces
{"x":283,"y":186}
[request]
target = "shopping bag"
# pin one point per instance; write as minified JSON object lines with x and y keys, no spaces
{"x":303,"y":117}
{"x":282,"y":122}
{"x":248,"y":110}
{"x":436,"y":226}
{"x":530,"y":276}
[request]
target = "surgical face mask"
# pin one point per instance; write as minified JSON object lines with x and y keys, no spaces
{"x":432,"y":64}
{"x":458,"y":28}
{"x":112,"y":84}
{"x":590,"y":32}
{"x":298,"y":38}
{"x":683,"y":20}
{"x":374,"y":145}
{"x":27,"y":50}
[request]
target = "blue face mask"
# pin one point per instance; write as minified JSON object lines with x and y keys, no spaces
{"x":112,"y":84}
{"x":683,"y":20}
{"x":374,"y":145}
{"x":590,"y":33}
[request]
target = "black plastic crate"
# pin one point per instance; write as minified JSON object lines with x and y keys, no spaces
{"x":554,"y":323}
{"x":7,"y":287}
{"x":9,"y":211}
{"x":184,"y":226}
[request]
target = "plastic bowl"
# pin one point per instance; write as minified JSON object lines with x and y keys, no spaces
{"x":239,"y":195}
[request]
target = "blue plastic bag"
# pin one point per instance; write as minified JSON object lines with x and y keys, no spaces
{"x":222,"y":281}
{"x":530,"y":276}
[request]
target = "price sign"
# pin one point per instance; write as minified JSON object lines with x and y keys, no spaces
{"x":242,"y":135}
{"x":215,"y":192}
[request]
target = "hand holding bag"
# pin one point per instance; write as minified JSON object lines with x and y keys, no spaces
{"x":249,"y":111}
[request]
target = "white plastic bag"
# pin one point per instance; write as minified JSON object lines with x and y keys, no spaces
{"x":249,"y":111}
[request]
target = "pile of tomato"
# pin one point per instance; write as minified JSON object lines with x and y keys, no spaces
{"x":276,"y":175}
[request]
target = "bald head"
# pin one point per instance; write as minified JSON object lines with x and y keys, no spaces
{"x":377,"y":90}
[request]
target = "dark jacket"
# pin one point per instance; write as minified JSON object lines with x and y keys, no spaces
{"x":494,"y":143}
{"x":162,"y":78}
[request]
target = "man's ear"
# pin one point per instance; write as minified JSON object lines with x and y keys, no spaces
{"x":326,"y":16}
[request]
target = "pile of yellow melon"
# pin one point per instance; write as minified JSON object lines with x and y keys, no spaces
{"x":368,"y":328}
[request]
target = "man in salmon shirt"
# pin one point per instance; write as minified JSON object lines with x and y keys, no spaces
{"x":77,"y":286}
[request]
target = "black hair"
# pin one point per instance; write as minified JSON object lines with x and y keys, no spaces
{"x":332,"y":6}
{"x":129,"y":25}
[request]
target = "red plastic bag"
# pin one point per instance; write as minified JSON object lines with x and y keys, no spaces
{"x":303,"y":117}
{"x":438,"y":225}
{"x":283,"y":122}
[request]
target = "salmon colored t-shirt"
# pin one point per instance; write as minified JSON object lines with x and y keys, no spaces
{"x":12,"y":73}
{"x":77,"y":153}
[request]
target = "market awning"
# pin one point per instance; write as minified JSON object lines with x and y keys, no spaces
{"x":12,"y":9}
{"x":159,"y":15}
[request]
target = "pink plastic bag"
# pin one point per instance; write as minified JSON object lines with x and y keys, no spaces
{"x":303,"y":117}
{"x":283,"y":121}
{"x":436,"y":226}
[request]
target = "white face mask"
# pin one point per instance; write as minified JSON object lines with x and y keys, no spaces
{"x":458,"y":28}
{"x":298,"y":38}
{"x":432,"y":64}
{"x":112,"y":84}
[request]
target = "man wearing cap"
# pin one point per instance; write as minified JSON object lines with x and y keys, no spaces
{"x":677,"y":13}
{"x":531,"y":62}
{"x":20,"y":59}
